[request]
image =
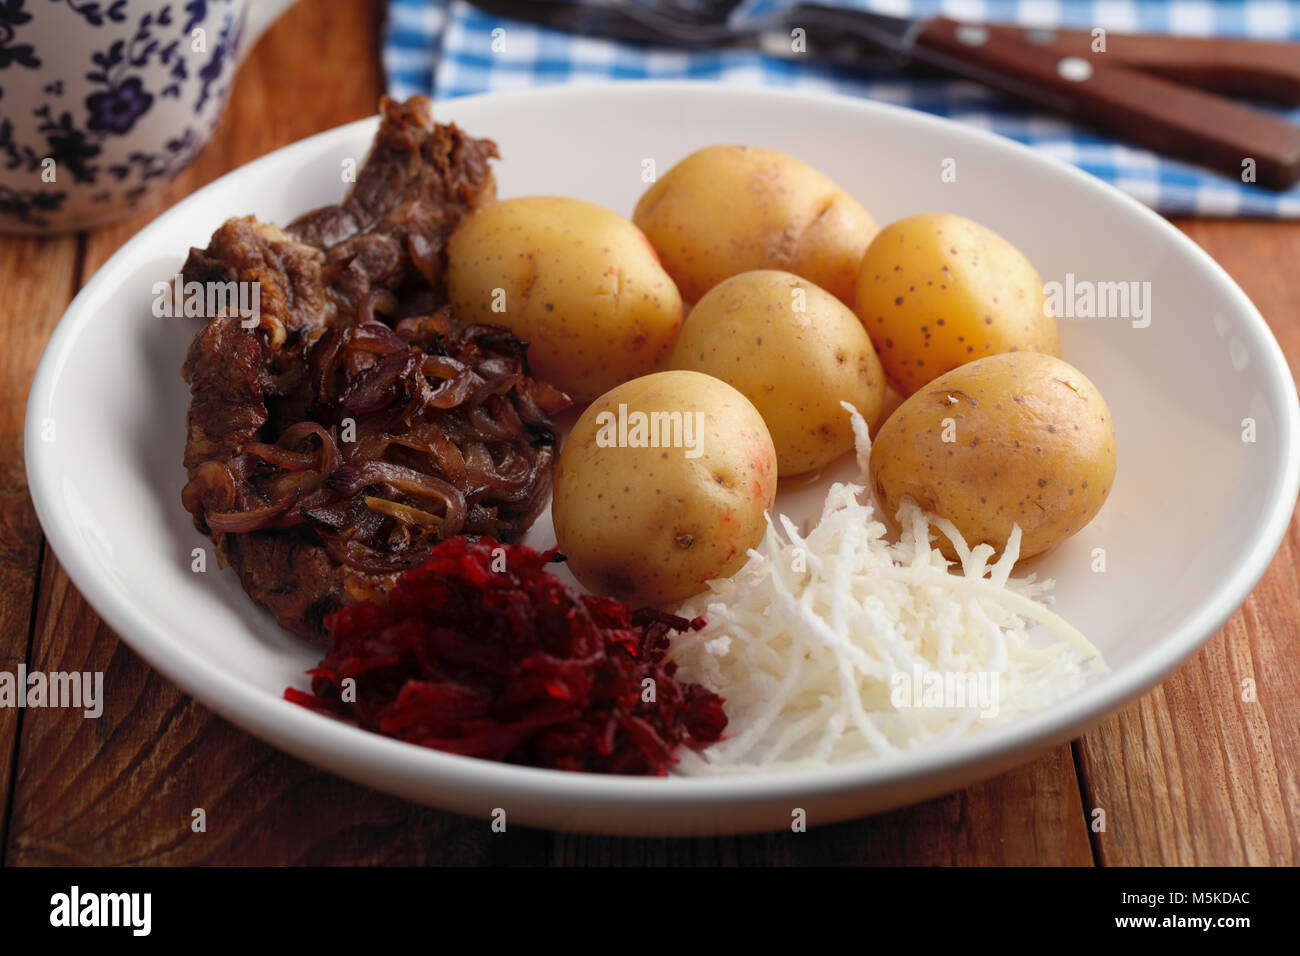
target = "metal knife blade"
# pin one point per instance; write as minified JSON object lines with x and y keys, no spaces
{"x":843,"y":37}
{"x":607,"y":21}
{"x":834,"y":35}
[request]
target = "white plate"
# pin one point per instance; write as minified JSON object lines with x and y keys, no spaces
{"x":1195,"y":515}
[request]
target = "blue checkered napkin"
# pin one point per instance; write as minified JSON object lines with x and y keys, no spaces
{"x":444,"y":48}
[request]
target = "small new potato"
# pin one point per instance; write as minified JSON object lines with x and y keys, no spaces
{"x":577,"y":282}
{"x":729,"y":209}
{"x":662,"y":485}
{"x":1019,"y":438}
{"x":796,"y":352}
{"x":937,"y":290}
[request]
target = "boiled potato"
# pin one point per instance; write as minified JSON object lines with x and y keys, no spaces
{"x":937,"y":290}
{"x":578,"y":283}
{"x":796,"y":352}
{"x":1019,"y":438}
{"x":662,"y":485}
{"x":729,"y":209}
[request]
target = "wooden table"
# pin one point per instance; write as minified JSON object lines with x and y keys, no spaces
{"x":1190,"y":774}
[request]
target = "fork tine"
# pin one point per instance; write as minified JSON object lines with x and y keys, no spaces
{"x":702,"y":12}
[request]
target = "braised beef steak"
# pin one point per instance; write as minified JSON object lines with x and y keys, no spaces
{"x":355,"y":423}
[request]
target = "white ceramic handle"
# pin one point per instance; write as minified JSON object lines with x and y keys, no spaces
{"x":261,"y":14}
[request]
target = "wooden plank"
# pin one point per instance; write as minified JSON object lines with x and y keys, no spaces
{"x":1193,"y":773}
{"x":37,"y":280}
{"x":1030,"y":816}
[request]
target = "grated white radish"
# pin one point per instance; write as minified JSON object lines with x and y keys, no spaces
{"x":808,"y":640}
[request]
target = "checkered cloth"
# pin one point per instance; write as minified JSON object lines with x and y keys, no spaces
{"x":444,"y":48}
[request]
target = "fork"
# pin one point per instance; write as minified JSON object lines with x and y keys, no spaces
{"x":1138,"y":87}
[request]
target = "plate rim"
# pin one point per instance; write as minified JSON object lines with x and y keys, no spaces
{"x":359,"y":755}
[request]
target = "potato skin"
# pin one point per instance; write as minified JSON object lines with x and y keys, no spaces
{"x":583,"y":287}
{"x":1033,"y":444}
{"x":937,"y":290}
{"x":724,"y":210}
{"x":651,"y":525}
{"x":795,"y":366}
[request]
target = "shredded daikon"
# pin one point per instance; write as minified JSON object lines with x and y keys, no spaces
{"x":839,"y":645}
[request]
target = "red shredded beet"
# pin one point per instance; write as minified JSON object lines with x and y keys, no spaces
{"x":512,"y":665}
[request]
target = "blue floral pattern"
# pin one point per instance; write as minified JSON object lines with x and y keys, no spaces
{"x":68,"y":146}
{"x":212,"y":71}
{"x":95,"y":13}
{"x":30,"y":205}
{"x":155,"y":59}
{"x":12,"y":16}
{"x":117,"y":109}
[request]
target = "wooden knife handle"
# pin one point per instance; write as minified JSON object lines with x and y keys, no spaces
{"x":1252,"y":69}
{"x":1136,"y":106}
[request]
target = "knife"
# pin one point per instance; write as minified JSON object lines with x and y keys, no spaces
{"x":1050,"y":69}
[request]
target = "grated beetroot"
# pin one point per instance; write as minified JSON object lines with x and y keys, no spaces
{"x":512,"y":665}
